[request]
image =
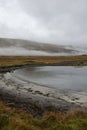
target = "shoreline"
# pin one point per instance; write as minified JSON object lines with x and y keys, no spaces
{"x":37,"y":99}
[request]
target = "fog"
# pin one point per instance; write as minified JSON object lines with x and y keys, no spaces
{"x":20,"y":51}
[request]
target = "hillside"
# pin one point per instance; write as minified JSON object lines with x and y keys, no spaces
{"x":30,"y":45}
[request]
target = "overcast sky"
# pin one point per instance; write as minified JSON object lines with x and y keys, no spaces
{"x":54,"y":21}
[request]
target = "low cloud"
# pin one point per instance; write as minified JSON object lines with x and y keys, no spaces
{"x":54,"y":21}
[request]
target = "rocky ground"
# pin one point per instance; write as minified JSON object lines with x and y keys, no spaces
{"x":37,"y":99}
{"x":34,"y":98}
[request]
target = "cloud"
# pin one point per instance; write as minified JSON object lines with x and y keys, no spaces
{"x":55,"y":21}
{"x":14,"y":22}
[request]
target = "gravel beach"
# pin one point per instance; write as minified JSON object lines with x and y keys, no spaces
{"x":37,"y":99}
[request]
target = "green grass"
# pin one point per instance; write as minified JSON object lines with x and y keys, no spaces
{"x":13,"y":119}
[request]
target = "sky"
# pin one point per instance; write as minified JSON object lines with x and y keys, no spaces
{"x":51,"y":21}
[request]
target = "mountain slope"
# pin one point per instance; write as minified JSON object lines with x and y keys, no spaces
{"x":30,"y":45}
{"x":25,"y":47}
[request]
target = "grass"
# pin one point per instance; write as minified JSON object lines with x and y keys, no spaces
{"x":43,"y":60}
{"x":14,"y":119}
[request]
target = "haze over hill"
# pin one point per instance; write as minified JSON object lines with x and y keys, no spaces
{"x":24,"y":47}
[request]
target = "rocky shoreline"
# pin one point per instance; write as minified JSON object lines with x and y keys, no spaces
{"x":37,"y":99}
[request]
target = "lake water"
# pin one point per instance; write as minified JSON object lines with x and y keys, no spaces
{"x":73,"y":78}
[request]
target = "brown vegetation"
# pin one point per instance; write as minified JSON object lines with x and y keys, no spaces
{"x":14,"y":119}
{"x":43,"y":60}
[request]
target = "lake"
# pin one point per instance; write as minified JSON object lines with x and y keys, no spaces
{"x":72,"y":78}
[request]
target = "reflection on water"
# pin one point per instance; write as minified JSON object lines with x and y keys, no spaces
{"x":54,"y":76}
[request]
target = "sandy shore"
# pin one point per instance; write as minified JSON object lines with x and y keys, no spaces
{"x":38,"y":99}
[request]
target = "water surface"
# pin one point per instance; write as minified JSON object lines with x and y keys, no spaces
{"x":74,"y":78}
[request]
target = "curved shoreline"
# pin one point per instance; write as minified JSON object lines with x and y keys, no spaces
{"x":37,"y":99}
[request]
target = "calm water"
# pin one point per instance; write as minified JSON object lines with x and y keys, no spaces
{"x":74,"y":78}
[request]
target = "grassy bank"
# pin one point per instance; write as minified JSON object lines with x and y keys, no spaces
{"x":17,"y":119}
{"x":13,"y":119}
{"x":43,"y":60}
